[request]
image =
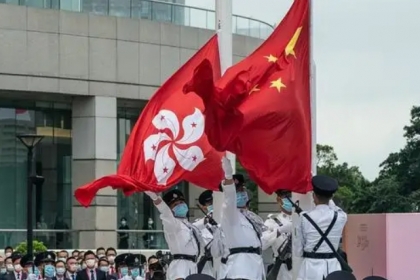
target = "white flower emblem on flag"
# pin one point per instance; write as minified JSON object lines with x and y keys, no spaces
{"x":187,"y":155}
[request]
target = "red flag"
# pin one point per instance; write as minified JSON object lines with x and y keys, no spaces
{"x":168,"y":143}
{"x":260,"y":109}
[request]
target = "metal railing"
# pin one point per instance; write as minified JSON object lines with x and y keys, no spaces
{"x":59,"y":239}
{"x":155,"y":10}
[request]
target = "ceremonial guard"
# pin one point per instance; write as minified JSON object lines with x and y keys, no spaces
{"x":205,"y":263}
{"x":319,"y":232}
{"x":242,"y":229}
{"x":277,"y":236}
{"x":184,"y":240}
{"x":48,"y":261}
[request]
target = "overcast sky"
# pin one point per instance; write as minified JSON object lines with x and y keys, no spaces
{"x":367,"y":56}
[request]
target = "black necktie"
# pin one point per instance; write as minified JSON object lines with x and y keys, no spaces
{"x":92,"y":276}
{"x":18,"y":276}
{"x":72,"y":277}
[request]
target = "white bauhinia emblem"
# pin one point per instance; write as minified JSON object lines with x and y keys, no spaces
{"x":187,"y":155}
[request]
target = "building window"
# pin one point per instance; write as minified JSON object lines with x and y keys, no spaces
{"x":138,"y":208}
{"x":52,"y":159}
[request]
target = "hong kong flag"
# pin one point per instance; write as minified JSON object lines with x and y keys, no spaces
{"x":168,"y":143}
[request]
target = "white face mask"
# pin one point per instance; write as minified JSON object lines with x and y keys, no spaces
{"x":101,"y":256}
{"x":62,"y":259}
{"x":150,"y":222}
{"x":123,"y":223}
{"x":10,"y":267}
{"x":18,"y":267}
{"x":60,"y":270}
{"x":90,"y":263}
{"x":111,"y":259}
{"x":8,"y":254}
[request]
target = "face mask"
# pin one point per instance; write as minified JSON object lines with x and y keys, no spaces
{"x":60,"y":270}
{"x":135,"y":272}
{"x":287,"y":205}
{"x":241,"y":199}
{"x":49,"y":271}
{"x":123,"y":223}
{"x":150,"y":222}
{"x":9,"y":267}
{"x":36,"y":272}
{"x":209,"y":209}
{"x":101,"y":256}
{"x":180,"y":210}
{"x":124,"y":271}
{"x":90,"y":263}
{"x":104,"y":269}
{"x":111,"y":259}
{"x":62,"y":259}
{"x":18,"y":268}
{"x":8,"y":254}
{"x":84,"y":266}
{"x":3,"y":270}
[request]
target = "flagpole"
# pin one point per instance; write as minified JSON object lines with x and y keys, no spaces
{"x":224,"y":29}
{"x":305,"y":200}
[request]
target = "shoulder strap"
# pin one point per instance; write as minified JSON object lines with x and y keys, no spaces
{"x":324,"y":235}
{"x":277,"y":221}
{"x":253,"y":226}
{"x":195,"y":238}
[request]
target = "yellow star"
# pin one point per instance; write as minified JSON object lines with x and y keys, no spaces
{"x":271,"y":58}
{"x":277,"y":84}
{"x":290,"y":48}
{"x":254,"y":89}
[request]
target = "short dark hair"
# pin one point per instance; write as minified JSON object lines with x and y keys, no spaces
{"x":87,"y":253}
{"x":60,"y":261}
{"x":100,"y":248}
{"x":151,"y":257}
{"x":110,"y":249}
{"x":324,"y":198}
{"x":70,"y":258}
{"x":8,"y":248}
{"x":103,"y":260}
{"x":75,"y":251}
{"x":64,"y":251}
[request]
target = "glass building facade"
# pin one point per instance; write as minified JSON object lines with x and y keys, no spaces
{"x":52,"y":159}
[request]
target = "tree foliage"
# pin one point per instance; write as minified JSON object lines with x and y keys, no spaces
{"x":397,"y":188}
{"x":37,"y":247}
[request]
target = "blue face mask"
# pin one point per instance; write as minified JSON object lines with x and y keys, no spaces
{"x":241,"y":199}
{"x":49,"y":271}
{"x":124,"y":271}
{"x":287,"y":205}
{"x":135,"y":272}
{"x":3,"y":270}
{"x":180,"y":210}
{"x":209,"y":209}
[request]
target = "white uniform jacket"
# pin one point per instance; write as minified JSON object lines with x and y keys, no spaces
{"x":207,"y":237}
{"x":240,"y":233}
{"x":307,"y":237}
{"x":180,"y":239}
{"x":271,"y":240}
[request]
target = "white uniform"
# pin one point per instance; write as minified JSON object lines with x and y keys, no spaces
{"x":207,"y":238}
{"x":307,"y":237}
{"x":240,"y":233}
{"x":180,"y":238}
{"x":270,"y":240}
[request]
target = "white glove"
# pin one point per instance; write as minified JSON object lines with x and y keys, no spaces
{"x":152,"y":195}
{"x":227,"y":168}
{"x":32,"y":277}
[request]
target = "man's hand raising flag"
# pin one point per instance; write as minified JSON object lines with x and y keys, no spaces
{"x":260,"y":109}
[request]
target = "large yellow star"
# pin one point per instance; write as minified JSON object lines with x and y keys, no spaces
{"x":254,"y":89}
{"x":271,"y":58}
{"x":277,"y":84}
{"x":290,"y":48}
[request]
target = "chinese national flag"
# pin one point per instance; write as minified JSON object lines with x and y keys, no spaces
{"x":260,"y":109}
{"x":168,"y":143}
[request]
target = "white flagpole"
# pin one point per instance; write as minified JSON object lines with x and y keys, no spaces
{"x":305,"y":200}
{"x":224,"y":30}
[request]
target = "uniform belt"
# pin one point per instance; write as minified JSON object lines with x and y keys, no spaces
{"x":246,"y":250}
{"x":312,"y":255}
{"x":185,"y":257}
{"x":224,"y":260}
